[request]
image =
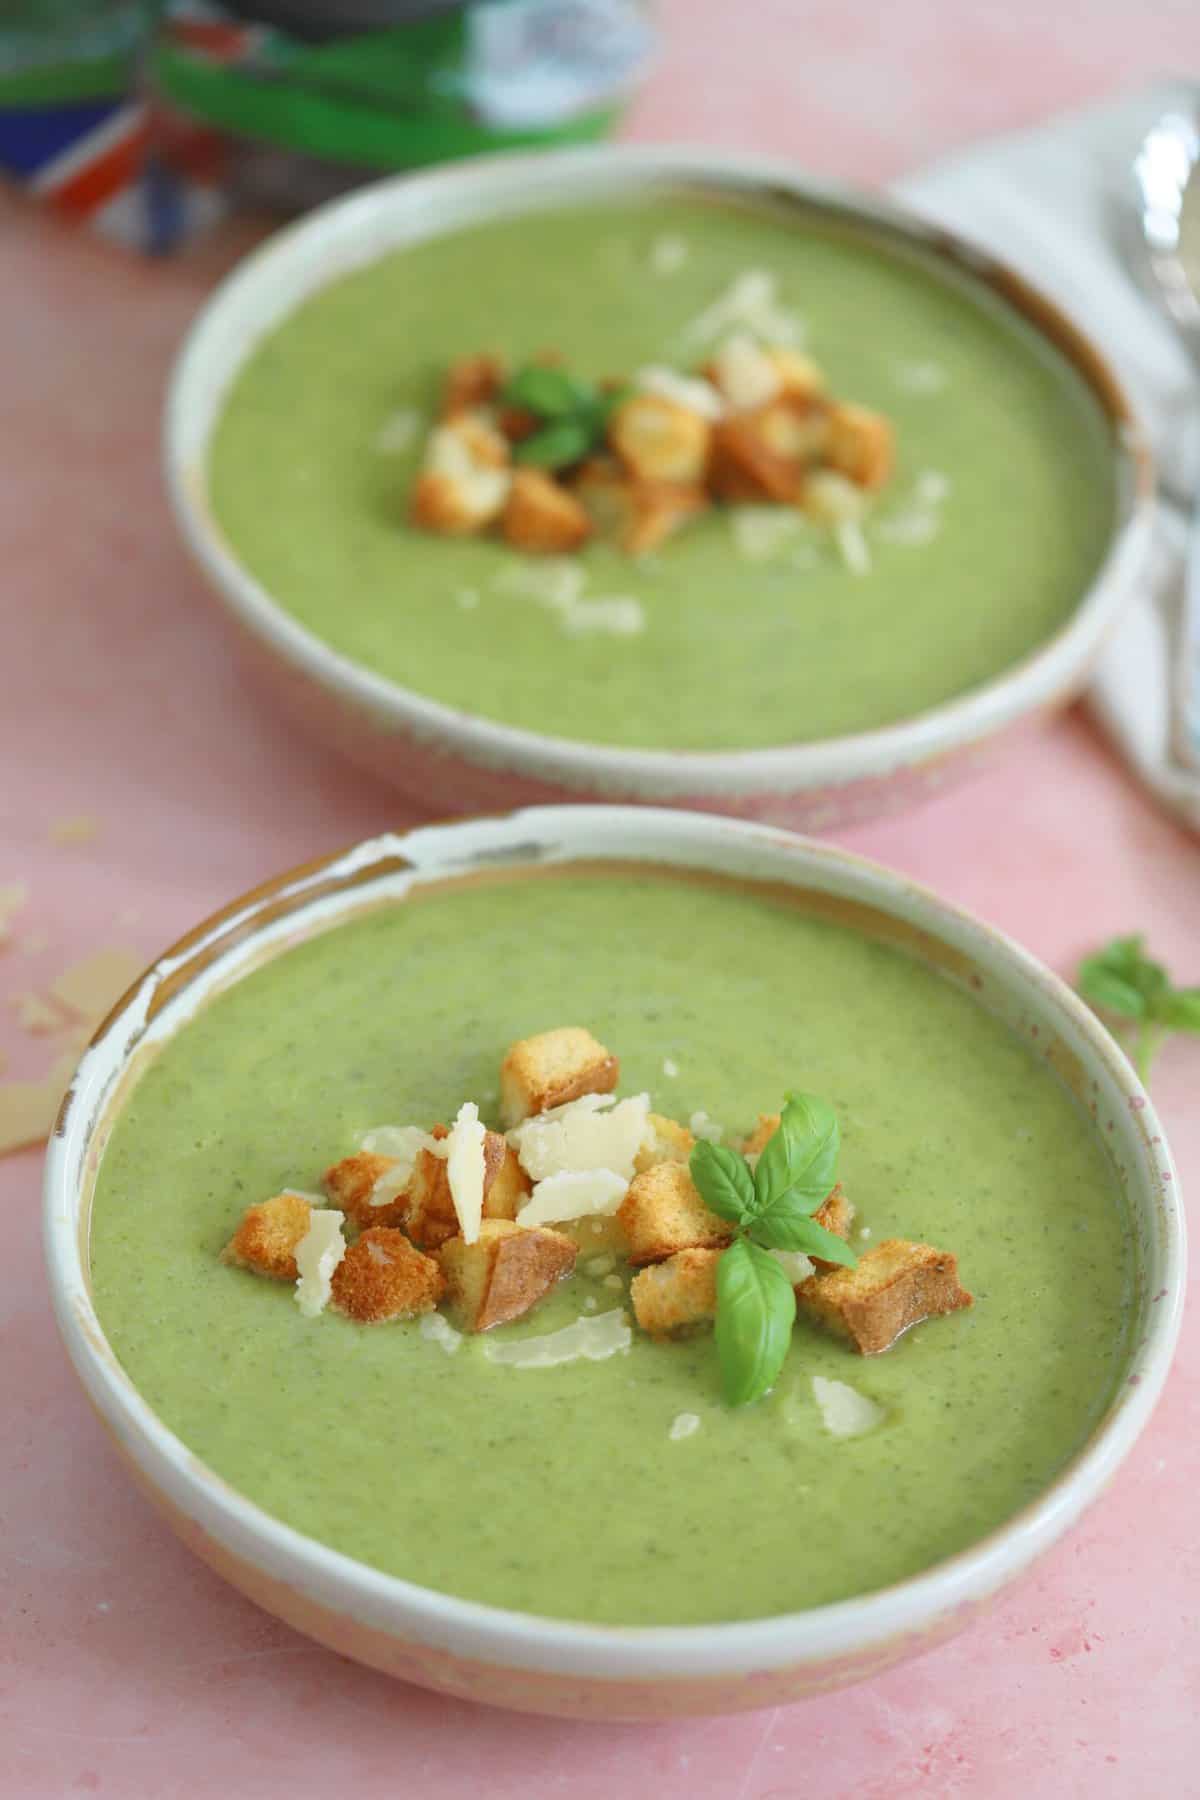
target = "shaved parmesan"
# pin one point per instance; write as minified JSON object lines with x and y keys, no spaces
{"x":702,"y":1126}
{"x":668,"y":254}
{"x":692,"y":391}
{"x":684,"y":1425}
{"x":465,"y":1169}
{"x":745,"y":373}
{"x":932,"y":486}
{"x":438,"y":1330}
{"x":318,"y":1254}
{"x":573,"y":1194}
{"x":405,"y":1143}
{"x":853,"y":545}
{"x":752,"y":303}
{"x":557,"y":583}
{"x":919,"y":377}
{"x":618,"y":615}
{"x":588,"y":1339}
{"x":795,"y":1265}
{"x":761,"y":532}
{"x":913,"y":527}
{"x":670,"y":1068}
{"x":845,"y":1412}
{"x":585,"y":1135}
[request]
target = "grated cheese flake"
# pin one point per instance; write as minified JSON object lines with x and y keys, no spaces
{"x":398,"y":432}
{"x":745,"y":373}
{"x":751,"y":302}
{"x":853,"y":545}
{"x":692,"y":391}
{"x":437,"y":1329}
{"x":587,"y":1134}
{"x":919,"y":377}
{"x":588,"y":1339}
{"x":465,"y":1169}
{"x":573,"y":1194}
{"x":795,"y":1265}
{"x":405,"y":1143}
{"x":845,"y":1412}
{"x":670,"y":1068}
{"x":668,"y":254}
{"x":761,"y":532}
{"x":684,"y":1425}
{"x":701,"y":1126}
{"x":318,"y":1254}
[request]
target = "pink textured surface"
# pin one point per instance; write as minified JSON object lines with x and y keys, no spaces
{"x":125,"y":1668}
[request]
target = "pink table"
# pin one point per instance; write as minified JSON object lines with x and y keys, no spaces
{"x":128,"y":1670}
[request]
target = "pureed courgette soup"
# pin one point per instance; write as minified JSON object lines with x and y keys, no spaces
{"x":979,"y":548}
{"x":574,"y":1490}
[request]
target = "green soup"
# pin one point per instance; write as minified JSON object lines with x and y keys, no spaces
{"x":561,"y":1490}
{"x":736,"y":653}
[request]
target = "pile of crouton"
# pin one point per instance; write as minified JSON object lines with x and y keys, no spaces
{"x":756,"y":425}
{"x":411,"y":1252}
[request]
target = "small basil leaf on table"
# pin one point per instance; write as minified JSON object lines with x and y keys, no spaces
{"x":723,"y":1180}
{"x":798,"y":1165}
{"x":756,"y":1309}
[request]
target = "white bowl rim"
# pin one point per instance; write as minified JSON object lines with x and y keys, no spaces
{"x":413,"y":1613}
{"x":1033,"y":682}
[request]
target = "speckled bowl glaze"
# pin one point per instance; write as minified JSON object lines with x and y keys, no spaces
{"x":450,"y":760}
{"x":545,"y":1665}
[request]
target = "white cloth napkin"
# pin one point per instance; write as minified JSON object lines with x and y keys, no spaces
{"x":1058,"y":204}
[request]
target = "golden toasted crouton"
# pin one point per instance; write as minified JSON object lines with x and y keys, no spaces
{"x":659,"y":439}
{"x":350,"y":1184}
{"x":640,"y":515}
{"x":382,"y":1276}
{"x":897,"y":1284}
{"x":471,"y":382}
{"x":552,"y":1068}
{"x":668,"y":1141}
{"x":860,"y":445}
{"x":506,"y":1186}
{"x":795,"y":428}
{"x":465,"y":479}
{"x":662,"y":1212}
{"x":267,"y":1237}
{"x":798,"y":374}
{"x":430,"y":1217}
{"x":680,"y":1292}
{"x":543,"y":516}
{"x":745,"y":468}
{"x":504,"y":1273}
{"x":517,"y":423}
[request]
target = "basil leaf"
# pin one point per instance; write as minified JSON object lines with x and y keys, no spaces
{"x":799,"y":1232}
{"x":1180,"y":1010}
{"x":756,"y":1309}
{"x":798,"y":1165}
{"x":546,"y":390}
{"x":723,"y":1179}
{"x":556,"y":445}
{"x":1109,"y":991}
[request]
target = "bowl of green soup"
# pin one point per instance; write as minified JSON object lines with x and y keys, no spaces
{"x":563,"y":1506}
{"x":739,"y":647}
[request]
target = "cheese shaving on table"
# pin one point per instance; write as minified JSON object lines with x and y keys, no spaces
{"x":318,"y":1254}
{"x":588,"y":1339}
{"x":466,"y":1170}
{"x":587,"y":1134}
{"x":573,"y":1194}
{"x":845,"y":1412}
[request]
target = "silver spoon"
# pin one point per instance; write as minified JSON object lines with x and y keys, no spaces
{"x":1167,"y":172}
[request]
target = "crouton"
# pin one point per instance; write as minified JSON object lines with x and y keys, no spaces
{"x":797,"y":429}
{"x":640,"y":515}
{"x":472,"y":382}
{"x":673,"y":1295}
{"x":799,"y":376}
{"x":745,"y":468}
{"x":505,"y":1184}
{"x":658,"y":439}
{"x":350,"y":1184}
{"x":744,"y":373}
{"x":465,"y":479}
{"x":383,"y":1276}
{"x":266,"y":1239}
{"x":835,"y":1213}
{"x":662,"y":1212}
{"x":667,"y":1141}
{"x":552,"y":1068}
{"x":430,"y":1216}
{"x":517,"y":423}
{"x":504,"y":1273}
{"x":860,"y":445}
{"x":897,"y":1284}
{"x":543,"y":516}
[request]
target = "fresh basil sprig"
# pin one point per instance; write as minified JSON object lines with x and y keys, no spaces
{"x":772,"y":1209}
{"x":1121,"y":979}
{"x":573,"y":415}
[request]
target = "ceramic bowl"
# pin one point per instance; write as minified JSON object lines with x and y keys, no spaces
{"x":451,"y":760}
{"x":545,"y":1665}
